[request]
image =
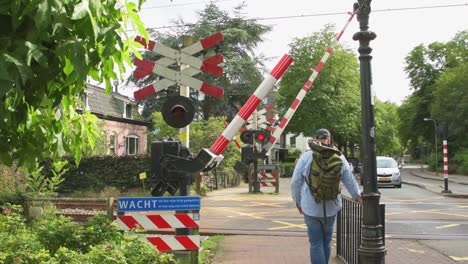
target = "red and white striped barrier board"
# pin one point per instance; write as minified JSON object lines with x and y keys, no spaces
{"x":265,"y":175}
{"x":305,"y":88}
{"x":154,"y":222}
{"x":268,"y":184}
{"x":252,"y":103}
{"x":183,"y":56}
{"x":178,"y":242}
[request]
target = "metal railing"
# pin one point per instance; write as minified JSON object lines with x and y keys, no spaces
{"x":348,"y":230}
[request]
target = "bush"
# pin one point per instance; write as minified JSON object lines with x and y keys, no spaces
{"x":59,"y":231}
{"x":98,"y":172}
{"x":460,"y":162}
{"x":13,"y":196}
{"x":54,"y":240}
{"x":286,"y":169}
{"x":100,"y":229}
{"x":19,"y":244}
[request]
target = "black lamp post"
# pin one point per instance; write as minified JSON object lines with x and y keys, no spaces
{"x":372,"y":249}
{"x":435,"y":142}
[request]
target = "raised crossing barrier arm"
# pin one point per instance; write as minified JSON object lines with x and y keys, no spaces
{"x":208,"y":159}
{"x":305,"y":88}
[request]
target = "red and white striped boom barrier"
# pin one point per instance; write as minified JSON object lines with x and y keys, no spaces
{"x":252,"y":103}
{"x":305,"y":88}
{"x":184,"y":56}
{"x":235,"y":139}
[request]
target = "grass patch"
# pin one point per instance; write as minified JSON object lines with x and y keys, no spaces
{"x":209,"y":248}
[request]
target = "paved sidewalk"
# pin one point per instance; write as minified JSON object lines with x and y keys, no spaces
{"x":295,"y":250}
{"x":458,"y":184}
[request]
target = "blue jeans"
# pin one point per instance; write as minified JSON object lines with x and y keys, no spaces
{"x":320,"y":236}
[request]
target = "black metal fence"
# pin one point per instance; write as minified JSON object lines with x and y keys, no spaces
{"x":348,"y":230}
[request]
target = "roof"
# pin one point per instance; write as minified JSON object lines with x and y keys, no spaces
{"x":111,"y":106}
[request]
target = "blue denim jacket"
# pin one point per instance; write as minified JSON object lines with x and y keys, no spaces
{"x":302,"y":196}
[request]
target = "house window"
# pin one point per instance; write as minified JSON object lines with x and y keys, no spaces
{"x":112,"y":144}
{"x":132,"y":144}
{"x":128,"y":111}
{"x":292,"y":142}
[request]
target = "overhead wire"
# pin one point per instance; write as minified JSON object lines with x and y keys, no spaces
{"x":325,"y":14}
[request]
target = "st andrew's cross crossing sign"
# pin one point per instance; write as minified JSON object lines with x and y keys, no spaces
{"x":184,"y":56}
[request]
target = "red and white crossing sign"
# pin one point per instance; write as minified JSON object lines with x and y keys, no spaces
{"x":183,"y":56}
{"x":264,"y":119}
{"x":154,"y":222}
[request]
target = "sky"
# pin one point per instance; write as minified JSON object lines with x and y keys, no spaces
{"x":398,"y":31}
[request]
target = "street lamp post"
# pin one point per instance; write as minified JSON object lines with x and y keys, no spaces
{"x":371,"y":249}
{"x":435,"y":142}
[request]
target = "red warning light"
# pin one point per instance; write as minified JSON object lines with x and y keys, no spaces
{"x":261,"y":136}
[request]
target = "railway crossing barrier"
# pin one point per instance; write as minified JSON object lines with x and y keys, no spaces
{"x":141,"y":215}
{"x":268,"y":176}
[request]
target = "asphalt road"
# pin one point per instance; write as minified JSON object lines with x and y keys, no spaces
{"x":411,"y":213}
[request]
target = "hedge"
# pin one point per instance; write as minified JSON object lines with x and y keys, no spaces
{"x":95,"y":173}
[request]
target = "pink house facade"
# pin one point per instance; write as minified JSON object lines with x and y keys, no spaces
{"x":125,"y":129}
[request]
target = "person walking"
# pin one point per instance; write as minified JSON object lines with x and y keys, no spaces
{"x":315,"y":190}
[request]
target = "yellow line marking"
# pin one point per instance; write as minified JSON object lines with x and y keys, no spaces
{"x":287,"y":225}
{"x":396,"y":213}
{"x":413,"y":200}
{"x":275,"y":212}
{"x":459,"y":258}
{"x":239,"y":213}
{"x":416,"y":251}
{"x":430,"y":212}
{"x":267,"y":204}
{"x":462,"y":206}
{"x":447,"y":226}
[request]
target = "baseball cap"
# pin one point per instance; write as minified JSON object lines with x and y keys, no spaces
{"x":322,"y":134}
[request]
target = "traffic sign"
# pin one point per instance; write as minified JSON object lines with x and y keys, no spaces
{"x":264,"y":118}
{"x":169,"y":203}
{"x":184,"y":56}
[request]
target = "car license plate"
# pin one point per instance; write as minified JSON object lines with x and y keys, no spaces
{"x":385,"y":180}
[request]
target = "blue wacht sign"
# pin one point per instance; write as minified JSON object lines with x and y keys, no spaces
{"x":166,"y":203}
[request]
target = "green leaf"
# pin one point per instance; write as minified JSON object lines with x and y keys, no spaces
{"x":68,"y":67}
{"x":58,"y":114}
{"x":36,"y":54}
{"x":80,"y":10}
{"x":23,"y":70}
{"x":42,"y":15}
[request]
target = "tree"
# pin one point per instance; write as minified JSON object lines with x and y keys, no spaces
{"x":241,"y":67}
{"x":333,"y":101}
{"x":386,"y":126}
{"x":48,"y":51}
{"x":432,"y":70}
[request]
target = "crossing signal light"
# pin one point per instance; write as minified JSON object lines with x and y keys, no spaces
{"x":251,"y":136}
{"x":262,"y":137}
{"x":178,"y":111}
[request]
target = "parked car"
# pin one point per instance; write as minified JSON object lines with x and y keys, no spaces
{"x":388,"y":172}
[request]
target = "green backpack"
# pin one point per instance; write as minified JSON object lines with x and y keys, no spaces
{"x":325,"y":173}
